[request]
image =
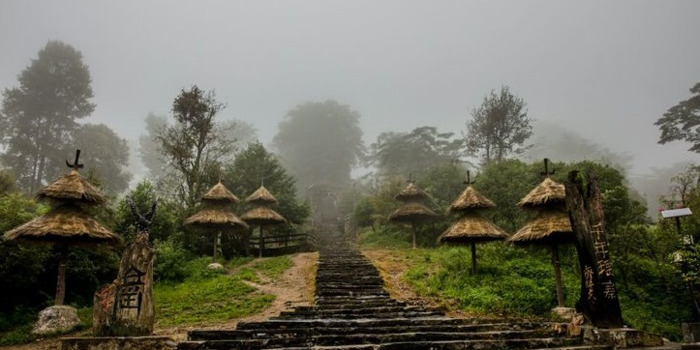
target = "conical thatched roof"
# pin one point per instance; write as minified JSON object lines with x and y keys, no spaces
{"x":261,"y":196}
{"x":551,"y":226}
{"x":66,"y":223}
{"x":471,"y":199}
{"x":412,"y":212}
{"x":215,"y":219}
{"x":411,"y":193}
{"x":472,"y":227}
{"x":263,"y":216}
{"x":72,"y":187}
{"x":547,"y":193}
{"x":219,"y":193}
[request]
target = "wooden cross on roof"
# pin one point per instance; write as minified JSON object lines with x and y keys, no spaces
{"x":546,"y":171}
{"x":469,"y":179}
{"x":76,"y":164}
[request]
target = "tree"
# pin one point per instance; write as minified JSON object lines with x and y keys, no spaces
{"x":149,"y":152}
{"x":39,"y":116}
{"x":320,"y":143}
{"x":682,"y":121}
{"x":499,"y":127}
{"x":163,"y":224}
{"x":106,"y":155}
{"x":195,"y":145}
{"x":414,"y":152}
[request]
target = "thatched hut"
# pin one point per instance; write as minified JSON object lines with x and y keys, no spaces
{"x":413,"y":211}
{"x":215,"y":215}
{"x":471,"y":228}
{"x":66,"y":223}
{"x":262,"y":215}
{"x":551,"y":227}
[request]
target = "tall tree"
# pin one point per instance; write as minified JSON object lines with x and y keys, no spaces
{"x":149,"y":152}
{"x":499,"y":127}
{"x":414,"y":152}
{"x":39,"y":116}
{"x":194,"y":146}
{"x":106,"y":156}
{"x":320,"y":143}
{"x":682,"y":121}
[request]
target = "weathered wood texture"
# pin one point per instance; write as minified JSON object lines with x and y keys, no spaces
{"x":125,"y":307}
{"x":599,"y":301}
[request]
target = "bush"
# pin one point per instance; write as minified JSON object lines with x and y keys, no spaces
{"x":170,"y":262}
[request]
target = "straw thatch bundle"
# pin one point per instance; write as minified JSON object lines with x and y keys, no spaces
{"x":547,"y":193}
{"x":72,"y":187}
{"x":472,"y":227}
{"x":214,"y":218}
{"x":261,"y":196}
{"x":66,"y":223}
{"x":411,"y":193}
{"x":263,"y":216}
{"x":412,"y":212}
{"x":471,"y":199}
{"x":219,"y":193}
{"x":551,"y":226}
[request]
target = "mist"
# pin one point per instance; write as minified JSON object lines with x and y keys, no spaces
{"x":604,"y":71}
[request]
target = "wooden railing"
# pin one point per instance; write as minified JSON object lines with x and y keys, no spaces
{"x":277,"y":244}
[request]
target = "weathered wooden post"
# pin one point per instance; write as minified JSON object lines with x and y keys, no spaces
{"x":599,"y":301}
{"x":126,"y":307}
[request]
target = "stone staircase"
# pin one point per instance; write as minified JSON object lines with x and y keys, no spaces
{"x":353,"y":311}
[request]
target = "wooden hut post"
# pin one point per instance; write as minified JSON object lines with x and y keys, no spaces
{"x":261,"y":244}
{"x":473,"y":257}
{"x":557,"y":275}
{"x":415,"y":227}
{"x":61,"y":280}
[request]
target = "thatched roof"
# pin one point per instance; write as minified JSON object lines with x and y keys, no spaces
{"x":411,"y":193}
{"x":66,"y":223}
{"x":472,"y":227}
{"x":219,"y":193}
{"x":551,"y":226}
{"x":471,"y":199}
{"x":263,"y":216}
{"x":412,"y":212}
{"x":547,"y":193}
{"x":72,"y":187}
{"x":261,"y":196}
{"x":214,"y":218}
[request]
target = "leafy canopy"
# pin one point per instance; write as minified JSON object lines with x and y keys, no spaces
{"x":320,"y":142}
{"x":499,"y":127}
{"x":682,"y":121}
{"x":39,"y":117}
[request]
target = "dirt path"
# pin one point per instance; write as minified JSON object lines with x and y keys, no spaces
{"x":294,"y":288}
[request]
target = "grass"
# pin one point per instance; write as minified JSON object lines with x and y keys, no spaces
{"x":22,"y":333}
{"x":207,"y":296}
{"x":213,"y":299}
{"x":273,"y":268}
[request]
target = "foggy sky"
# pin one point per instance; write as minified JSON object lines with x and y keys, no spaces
{"x":607,"y":70}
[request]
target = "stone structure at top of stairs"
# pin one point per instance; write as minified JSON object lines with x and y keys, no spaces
{"x":353,"y":311}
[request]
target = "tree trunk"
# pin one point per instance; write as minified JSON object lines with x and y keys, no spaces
{"x":134,"y":308}
{"x":598,"y":302}
{"x":557,"y":275}
{"x":473,"y":257}
{"x":61,"y":280}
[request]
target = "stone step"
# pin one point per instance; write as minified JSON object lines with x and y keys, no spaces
{"x":253,"y":333}
{"x":496,"y":344}
{"x":378,"y":323}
